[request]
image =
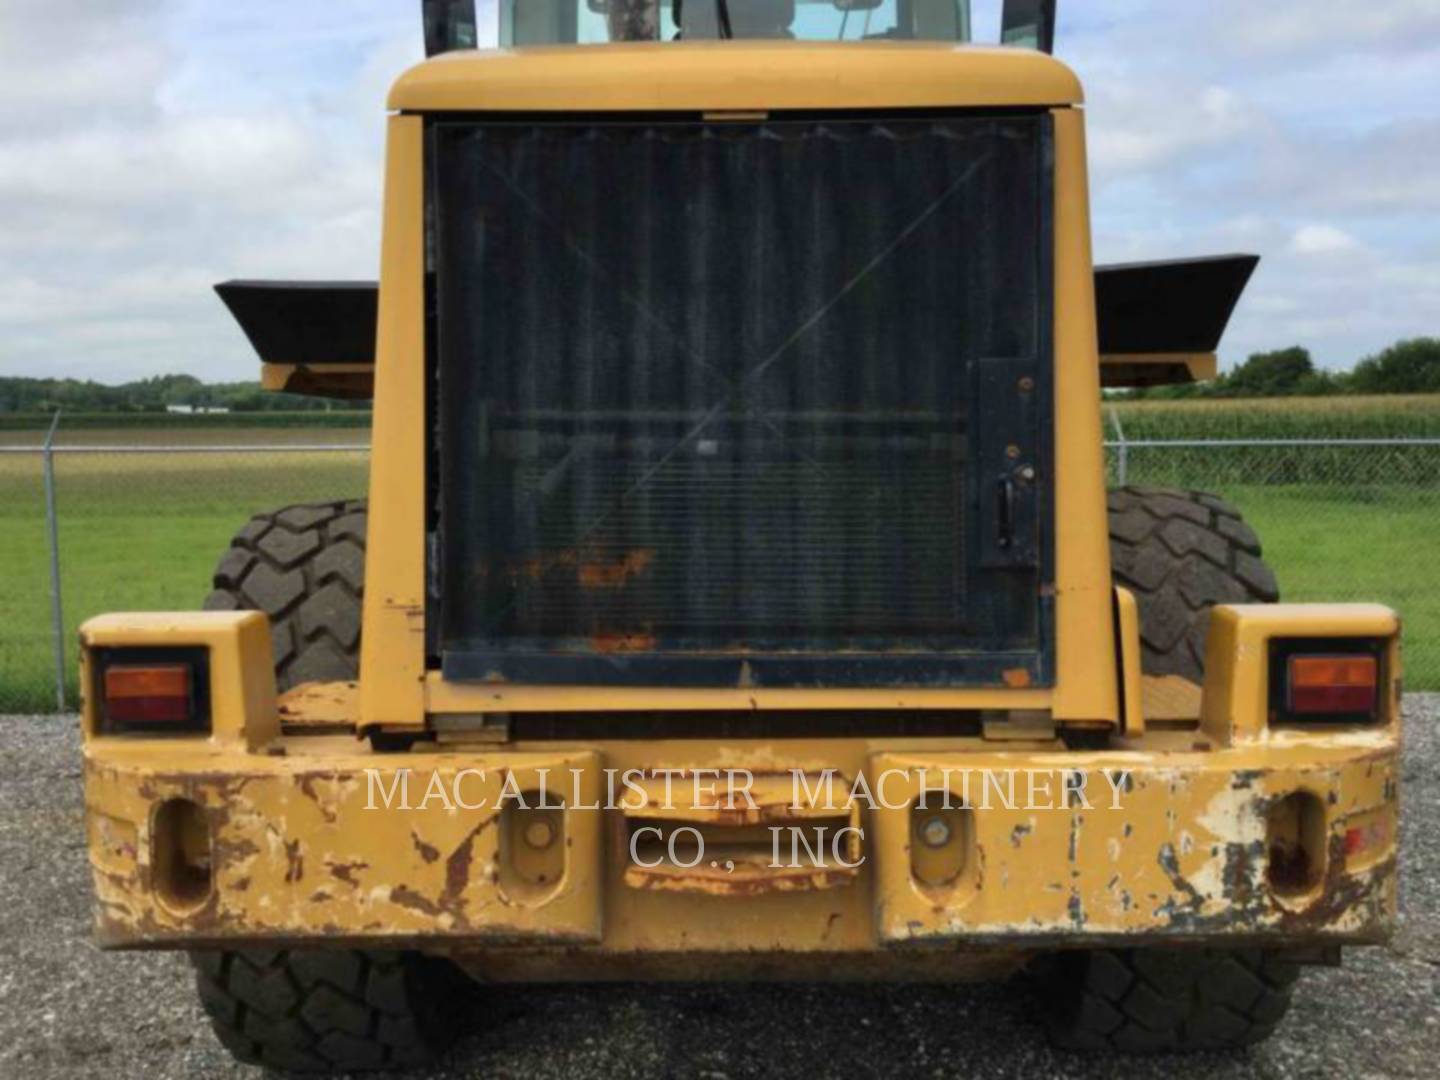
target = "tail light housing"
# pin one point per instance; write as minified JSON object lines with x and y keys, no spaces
{"x":152,"y":691}
{"x":1332,"y":681}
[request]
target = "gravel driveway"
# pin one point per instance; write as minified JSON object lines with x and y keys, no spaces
{"x":68,"y":1010}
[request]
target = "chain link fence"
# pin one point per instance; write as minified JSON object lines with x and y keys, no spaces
{"x":139,"y":527}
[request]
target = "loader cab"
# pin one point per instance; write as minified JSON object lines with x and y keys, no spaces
{"x":457,"y":24}
{"x":596,"y":21}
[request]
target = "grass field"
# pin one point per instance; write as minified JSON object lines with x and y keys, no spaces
{"x":137,"y":532}
{"x":143,"y":531}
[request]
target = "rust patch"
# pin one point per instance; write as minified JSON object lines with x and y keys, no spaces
{"x":457,"y":869}
{"x":701,"y":879}
{"x":613,"y":575}
{"x":622,"y":643}
{"x":346,"y":871}
{"x":228,"y":852}
{"x":307,"y":785}
{"x":407,"y":897}
{"x":589,"y":573}
{"x":428,"y":852}
{"x":1016,"y":678}
{"x":294,"y":862}
{"x":319,"y":706}
{"x":1170,"y":863}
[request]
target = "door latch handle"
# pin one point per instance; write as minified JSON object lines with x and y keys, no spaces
{"x":1005,"y":513}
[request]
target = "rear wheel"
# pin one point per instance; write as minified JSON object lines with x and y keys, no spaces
{"x":304,"y":566}
{"x":337,"y":1010}
{"x":1158,"y":1000}
{"x":1180,"y":553}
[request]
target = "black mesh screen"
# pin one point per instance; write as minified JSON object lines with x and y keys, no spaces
{"x":712,"y":389}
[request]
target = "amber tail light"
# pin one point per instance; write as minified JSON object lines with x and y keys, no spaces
{"x":1331,"y":681}
{"x":153,"y":691}
{"x":1324,"y":685}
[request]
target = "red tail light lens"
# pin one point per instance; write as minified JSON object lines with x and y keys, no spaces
{"x":152,"y":691}
{"x":1321,"y":686}
{"x":149,"y":694}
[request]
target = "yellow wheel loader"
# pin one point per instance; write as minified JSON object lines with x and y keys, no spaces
{"x":738,"y":595}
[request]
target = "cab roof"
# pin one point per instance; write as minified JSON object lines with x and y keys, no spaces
{"x":735,"y":76}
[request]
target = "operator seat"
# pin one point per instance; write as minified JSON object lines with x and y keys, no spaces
{"x":633,"y":20}
{"x":700,"y":19}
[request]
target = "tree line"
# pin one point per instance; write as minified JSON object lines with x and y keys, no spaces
{"x":1407,"y":367}
{"x":153,"y":395}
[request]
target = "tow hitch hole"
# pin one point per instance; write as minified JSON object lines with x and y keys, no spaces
{"x":1296,"y":844}
{"x":532,"y":848}
{"x":940,"y":842}
{"x":180,"y":855}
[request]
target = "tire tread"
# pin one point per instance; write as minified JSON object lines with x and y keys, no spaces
{"x":1180,"y":553}
{"x":304,"y":567}
{"x":1168,"y":1001}
{"x":312,"y":1010}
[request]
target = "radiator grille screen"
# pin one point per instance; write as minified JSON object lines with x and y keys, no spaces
{"x":711,"y":389}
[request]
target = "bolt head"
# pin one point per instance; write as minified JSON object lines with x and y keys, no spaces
{"x":935,"y":832}
{"x":539,"y":834}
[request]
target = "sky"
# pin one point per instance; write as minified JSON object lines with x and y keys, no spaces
{"x":150,"y":148}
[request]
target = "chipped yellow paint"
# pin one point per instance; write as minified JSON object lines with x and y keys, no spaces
{"x":305,"y":846}
{"x":1183,"y":856}
{"x":329,"y":705}
{"x":318,"y":848}
{"x":299,"y":854}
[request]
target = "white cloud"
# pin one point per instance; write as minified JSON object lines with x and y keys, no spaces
{"x":1322,"y":240}
{"x":1294,"y":27}
{"x":149,"y":148}
{"x":1136,"y":128}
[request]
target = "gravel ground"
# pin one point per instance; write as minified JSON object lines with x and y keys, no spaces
{"x":68,"y":1010}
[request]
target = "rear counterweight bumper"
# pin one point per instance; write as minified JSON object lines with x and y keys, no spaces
{"x":1247,"y":844}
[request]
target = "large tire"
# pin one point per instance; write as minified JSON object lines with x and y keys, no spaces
{"x":304,"y":566}
{"x":1166,"y":1000}
{"x":340,"y":1010}
{"x":1180,"y":553}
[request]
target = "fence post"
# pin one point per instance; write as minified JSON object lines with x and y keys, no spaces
{"x":57,"y":618}
{"x":1122,"y":459}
